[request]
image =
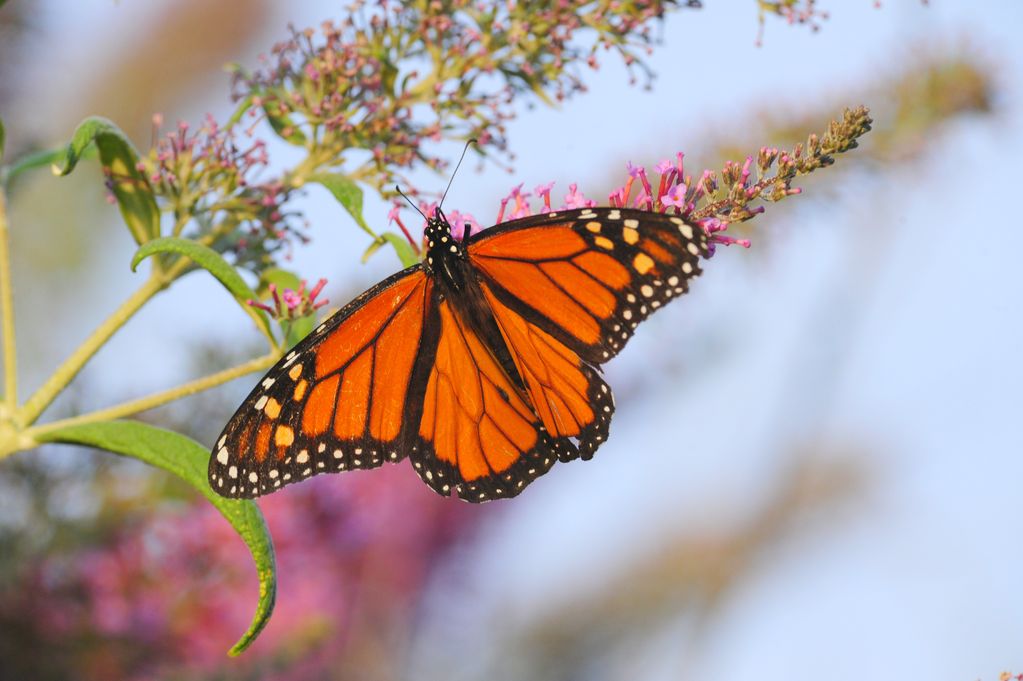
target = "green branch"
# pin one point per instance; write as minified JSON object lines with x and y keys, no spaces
{"x":7,"y":313}
{"x":157,"y":399}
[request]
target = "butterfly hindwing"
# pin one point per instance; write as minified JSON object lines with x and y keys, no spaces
{"x":337,"y":401}
{"x":573,"y":402}
{"x":479,"y":437}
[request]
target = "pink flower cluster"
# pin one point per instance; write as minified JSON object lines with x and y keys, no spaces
{"x":207,"y":175}
{"x":676,"y":192}
{"x":166,"y":598}
{"x":293,"y":304}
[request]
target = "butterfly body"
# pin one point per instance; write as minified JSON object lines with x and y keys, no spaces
{"x":480,"y":364}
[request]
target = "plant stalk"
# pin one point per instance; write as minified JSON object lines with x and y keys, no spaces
{"x":10,"y":354}
{"x":157,"y":399}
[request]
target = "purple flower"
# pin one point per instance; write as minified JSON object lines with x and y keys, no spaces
{"x":461,"y":221}
{"x":427,"y":209}
{"x":291,"y":304}
{"x":643,"y":201}
{"x":574,"y":199}
{"x":544,"y":192}
{"x":394,"y":215}
{"x":676,"y":197}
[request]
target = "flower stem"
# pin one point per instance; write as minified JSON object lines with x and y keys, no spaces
{"x":157,"y":399}
{"x":7,"y":313}
{"x":60,"y":378}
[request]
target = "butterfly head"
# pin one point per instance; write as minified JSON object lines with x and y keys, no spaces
{"x":440,"y":244}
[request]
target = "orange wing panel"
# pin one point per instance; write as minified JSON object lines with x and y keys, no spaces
{"x":319,"y":410}
{"x":557,"y":385}
{"x":529,"y":283}
{"x":350,"y":421}
{"x":473,"y":416}
{"x":362,"y":325}
{"x":561,"y":243}
{"x":395,"y":358}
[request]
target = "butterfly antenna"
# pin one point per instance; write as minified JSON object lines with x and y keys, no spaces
{"x":402,"y":194}
{"x":457,"y":166}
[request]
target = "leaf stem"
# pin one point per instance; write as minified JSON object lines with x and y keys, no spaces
{"x":10,"y":360}
{"x":157,"y":399}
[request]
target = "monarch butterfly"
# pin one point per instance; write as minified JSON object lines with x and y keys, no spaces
{"x":479,"y":364}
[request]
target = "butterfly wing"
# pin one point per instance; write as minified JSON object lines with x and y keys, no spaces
{"x":588,"y":277}
{"x":399,"y":370}
{"x":478,"y":435}
{"x":567,"y":291}
{"x":337,"y":401}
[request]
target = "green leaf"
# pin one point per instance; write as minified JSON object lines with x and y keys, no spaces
{"x":348,"y":194}
{"x":296,"y":330}
{"x":280,"y":278}
{"x":41,"y":159}
{"x":399,"y":243}
{"x":118,"y":157}
{"x":188,"y":460}
{"x":213,"y":263}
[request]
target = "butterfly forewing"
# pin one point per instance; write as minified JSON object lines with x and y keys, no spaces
{"x":335,"y":402}
{"x":590,"y":276}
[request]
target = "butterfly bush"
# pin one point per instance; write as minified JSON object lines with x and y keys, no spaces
{"x":710,"y":199}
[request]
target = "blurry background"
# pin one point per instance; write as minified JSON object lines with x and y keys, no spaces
{"x":815,"y":467}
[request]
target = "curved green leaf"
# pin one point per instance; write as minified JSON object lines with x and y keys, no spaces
{"x":41,"y":159}
{"x":188,"y":460}
{"x":399,"y":243}
{"x":211,"y":261}
{"x":120,"y":160}
{"x":348,"y":194}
